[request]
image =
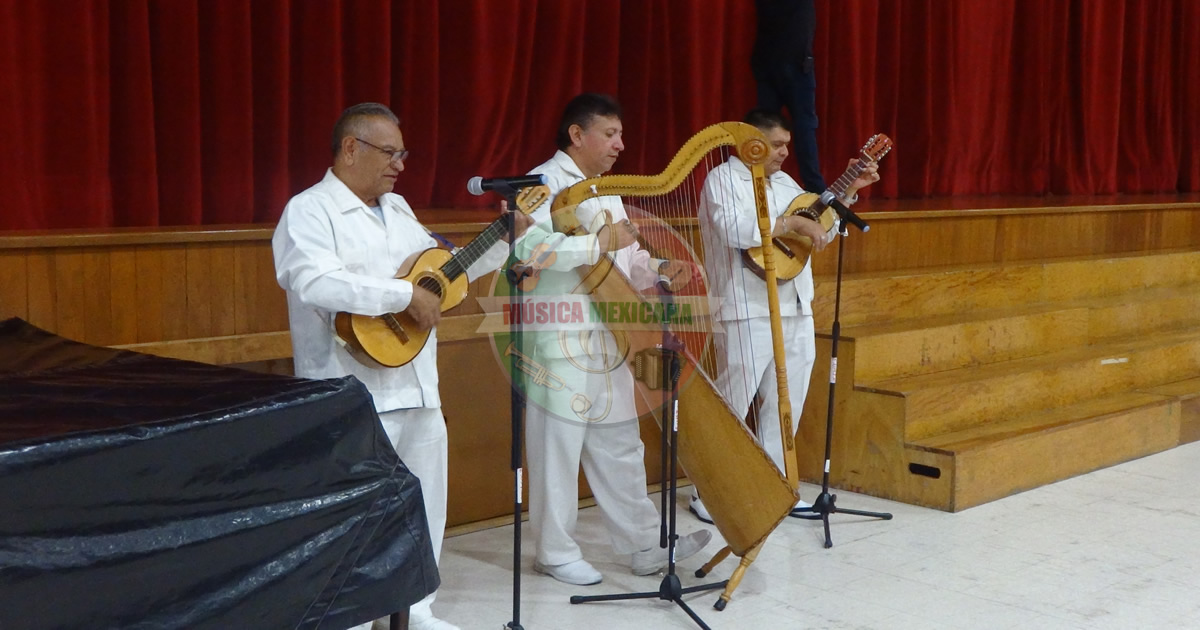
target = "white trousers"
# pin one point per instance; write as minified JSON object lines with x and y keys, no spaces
{"x":746,"y":365}
{"x":611,"y":454}
{"x":419,"y":437}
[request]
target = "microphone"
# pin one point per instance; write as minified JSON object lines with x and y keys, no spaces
{"x":478,"y":185}
{"x":830,"y":200}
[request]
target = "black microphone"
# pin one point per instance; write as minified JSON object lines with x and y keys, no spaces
{"x":830,"y":200}
{"x":479,"y":185}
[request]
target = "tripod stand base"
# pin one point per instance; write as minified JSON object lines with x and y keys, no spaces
{"x":825,"y":505}
{"x":670,"y":589}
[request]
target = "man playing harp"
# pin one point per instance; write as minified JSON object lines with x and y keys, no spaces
{"x":586,"y":414}
{"x":745,"y":364}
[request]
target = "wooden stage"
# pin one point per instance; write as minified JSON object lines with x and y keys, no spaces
{"x":990,"y":345}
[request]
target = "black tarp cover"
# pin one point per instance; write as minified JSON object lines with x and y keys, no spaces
{"x":142,"y":492}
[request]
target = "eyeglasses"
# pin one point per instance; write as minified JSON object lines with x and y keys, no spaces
{"x":398,"y":155}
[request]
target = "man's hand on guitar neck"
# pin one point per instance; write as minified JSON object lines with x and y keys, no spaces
{"x":425,"y":308}
{"x":522,"y":220}
{"x":868,"y":176}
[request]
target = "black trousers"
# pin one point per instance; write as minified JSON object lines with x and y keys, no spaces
{"x":795,"y":87}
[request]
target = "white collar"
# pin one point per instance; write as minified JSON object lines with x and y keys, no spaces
{"x":346,"y":201}
{"x":742,"y":170}
{"x":564,"y":161}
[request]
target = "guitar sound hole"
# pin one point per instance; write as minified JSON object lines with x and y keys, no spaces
{"x":430,"y":284}
{"x":396,"y":326}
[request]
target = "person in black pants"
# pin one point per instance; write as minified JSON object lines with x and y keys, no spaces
{"x":782,"y":63}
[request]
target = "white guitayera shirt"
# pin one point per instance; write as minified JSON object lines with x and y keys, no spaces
{"x":561,"y":173}
{"x":728,"y":225}
{"x":332,"y":253}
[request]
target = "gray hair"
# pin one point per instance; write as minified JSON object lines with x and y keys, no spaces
{"x":352,"y":122}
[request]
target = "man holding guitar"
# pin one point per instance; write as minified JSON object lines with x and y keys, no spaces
{"x":728,"y":223}
{"x":337,"y":248}
{"x":589,"y":418}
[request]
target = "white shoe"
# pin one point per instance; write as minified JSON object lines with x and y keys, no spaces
{"x":654,"y":559}
{"x":696,"y":506}
{"x":578,"y":572}
{"x":803,"y":509}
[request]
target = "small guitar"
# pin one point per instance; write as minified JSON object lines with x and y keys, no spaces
{"x":792,"y":250}
{"x":394,"y":339}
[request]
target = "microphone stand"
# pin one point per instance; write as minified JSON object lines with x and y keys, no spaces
{"x":826,"y":503}
{"x":516,"y":406}
{"x":670,"y":588}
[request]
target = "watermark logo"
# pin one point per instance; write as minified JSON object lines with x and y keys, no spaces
{"x":601,"y":355}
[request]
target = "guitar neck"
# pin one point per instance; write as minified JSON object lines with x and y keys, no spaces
{"x":473,"y":251}
{"x":852,"y":172}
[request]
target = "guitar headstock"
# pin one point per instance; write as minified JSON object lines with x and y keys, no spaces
{"x":876,"y":147}
{"x":530,"y":199}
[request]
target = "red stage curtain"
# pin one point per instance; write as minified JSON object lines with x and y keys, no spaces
{"x":186,"y":112}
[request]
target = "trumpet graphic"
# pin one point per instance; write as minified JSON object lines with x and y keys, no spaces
{"x":540,"y":374}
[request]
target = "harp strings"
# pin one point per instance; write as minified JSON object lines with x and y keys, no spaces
{"x":682,"y":226}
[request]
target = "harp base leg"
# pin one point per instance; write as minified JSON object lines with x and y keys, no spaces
{"x":736,"y":578}
{"x":717,"y":559}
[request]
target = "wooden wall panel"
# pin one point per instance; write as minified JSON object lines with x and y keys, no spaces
{"x":200,"y":303}
{"x":149,"y":295}
{"x":1051,"y":236}
{"x":270,"y":312}
{"x":913,"y":243}
{"x":97,"y":286}
{"x":1176,"y":228}
{"x":123,"y":302}
{"x":14,"y":285}
{"x":246,"y":275}
{"x":174,"y":293}
{"x":131,"y":287}
{"x":259,"y":303}
{"x":222,"y":290}
{"x":42,"y":289}
{"x":475,"y":402}
{"x":71,"y":306}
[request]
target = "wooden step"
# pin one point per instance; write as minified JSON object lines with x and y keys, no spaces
{"x":1002,"y":458}
{"x":888,"y":296}
{"x":945,"y":342}
{"x":1188,"y":393}
{"x":1142,"y":312}
{"x":1114,"y":275}
{"x":960,"y":399}
{"x":948,"y":342}
{"x":908,"y":295}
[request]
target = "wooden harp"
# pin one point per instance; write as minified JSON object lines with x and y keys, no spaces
{"x":743,"y":490}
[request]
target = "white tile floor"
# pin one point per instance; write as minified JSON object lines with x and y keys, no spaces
{"x":1117,"y":548}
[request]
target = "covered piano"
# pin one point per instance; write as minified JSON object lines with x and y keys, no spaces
{"x":143,"y":492}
